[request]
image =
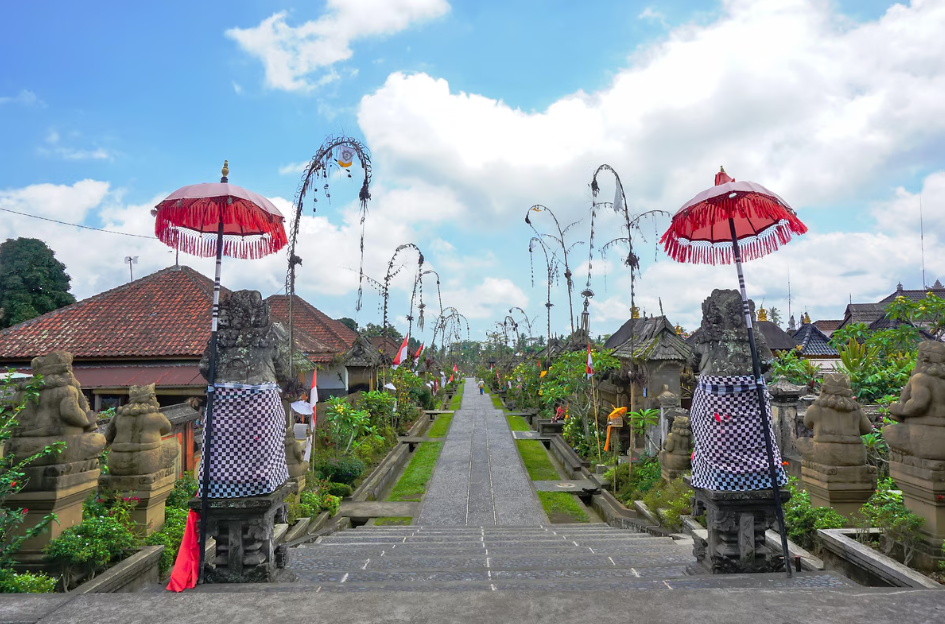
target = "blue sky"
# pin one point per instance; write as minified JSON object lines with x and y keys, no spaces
{"x":473,"y":112}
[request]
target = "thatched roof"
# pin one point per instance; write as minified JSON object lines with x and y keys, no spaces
{"x":653,"y":339}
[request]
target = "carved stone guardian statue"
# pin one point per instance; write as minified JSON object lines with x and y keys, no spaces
{"x":730,"y":473}
{"x":917,"y":447}
{"x":248,"y":471}
{"x":834,"y":465}
{"x":57,"y":483}
{"x":141,"y":463}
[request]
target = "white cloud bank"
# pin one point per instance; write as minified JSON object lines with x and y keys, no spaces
{"x":290,"y":54}
{"x":783,"y":92}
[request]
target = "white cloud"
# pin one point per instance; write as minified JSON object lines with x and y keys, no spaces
{"x":291,"y":53}
{"x":25,"y":98}
{"x":54,"y":147}
{"x":58,"y":201}
{"x":491,"y":298}
{"x":293,"y":168}
{"x":238,"y":88}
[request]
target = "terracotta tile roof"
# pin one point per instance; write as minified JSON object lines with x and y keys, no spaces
{"x":313,"y":322}
{"x":828,"y":325}
{"x":162,"y":315}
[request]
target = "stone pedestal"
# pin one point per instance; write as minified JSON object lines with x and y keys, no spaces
{"x":151,"y":490}
{"x":845,"y":488}
{"x":736,"y":523}
{"x":243,"y":530}
{"x":64,"y":501}
{"x":922,"y":482}
{"x":788,"y":420}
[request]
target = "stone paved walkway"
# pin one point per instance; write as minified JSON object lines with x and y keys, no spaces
{"x":479,"y":479}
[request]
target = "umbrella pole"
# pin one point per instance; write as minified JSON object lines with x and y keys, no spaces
{"x":765,"y":418}
{"x":208,"y":422}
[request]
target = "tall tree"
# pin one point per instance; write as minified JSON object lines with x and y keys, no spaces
{"x":348,"y":322}
{"x":32,"y":281}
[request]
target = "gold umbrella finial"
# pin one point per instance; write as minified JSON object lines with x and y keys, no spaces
{"x":225,"y":171}
{"x":721,"y":169}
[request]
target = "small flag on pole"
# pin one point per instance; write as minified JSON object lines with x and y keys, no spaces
{"x":416,"y":358}
{"x":590,"y":363}
{"x":401,"y":354}
{"x":344,"y":156}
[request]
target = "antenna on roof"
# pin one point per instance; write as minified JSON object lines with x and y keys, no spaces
{"x":789,"y":291}
{"x":131,"y":260}
{"x":922,"y":242}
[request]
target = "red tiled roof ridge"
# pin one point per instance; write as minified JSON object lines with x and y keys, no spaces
{"x":87,"y":327}
{"x":338,"y":330}
{"x":186,"y":270}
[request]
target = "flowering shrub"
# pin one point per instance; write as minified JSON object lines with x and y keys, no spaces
{"x":84,"y":550}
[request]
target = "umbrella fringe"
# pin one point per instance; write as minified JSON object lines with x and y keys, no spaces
{"x":679,"y":246}
{"x":751,"y":248}
{"x":191,"y":226}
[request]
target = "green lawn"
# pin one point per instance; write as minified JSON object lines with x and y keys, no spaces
{"x":564,"y":504}
{"x":413,"y":482}
{"x":393,"y":521}
{"x":440,"y":427}
{"x":536,"y":460}
{"x":517,"y":423}
{"x":458,"y":397}
{"x":497,"y":402}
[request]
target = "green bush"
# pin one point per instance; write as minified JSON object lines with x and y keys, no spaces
{"x":674,"y":498}
{"x":803,"y":520}
{"x":634,"y":484}
{"x":885,"y":510}
{"x":85,"y":549}
{"x":340,"y":489}
{"x":170,"y":537}
{"x":338,"y":469}
{"x":26,"y":583}
{"x":331,"y":504}
{"x":380,"y":405}
{"x":185,"y":489}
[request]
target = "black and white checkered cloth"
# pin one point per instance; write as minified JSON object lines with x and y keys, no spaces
{"x":247,"y":457}
{"x":730,"y":448}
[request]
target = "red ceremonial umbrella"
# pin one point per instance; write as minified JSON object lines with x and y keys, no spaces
{"x":736,"y":221}
{"x":217,"y":219}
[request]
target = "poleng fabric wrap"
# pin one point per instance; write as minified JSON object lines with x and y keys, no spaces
{"x":248,"y":441}
{"x":730,"y":448}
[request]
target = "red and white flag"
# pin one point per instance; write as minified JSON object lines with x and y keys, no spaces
{"x":401,"y":354}
{"x":416,"y":358}
{"x":590,"y":363}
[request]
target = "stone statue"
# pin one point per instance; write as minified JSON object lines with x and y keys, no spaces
{"x":721,"y":347}
{"x":247,"y":456}
{"x":61,"y":414}
{"x":838,"y":422}
{"x":677,"y":449}
{"x":135,"y":435}
{"x":251,"y":349}
{"x":920,"y":411}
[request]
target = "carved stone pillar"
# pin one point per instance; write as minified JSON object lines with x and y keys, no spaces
{"x":788,"y":422}
{"x":736,"y":523}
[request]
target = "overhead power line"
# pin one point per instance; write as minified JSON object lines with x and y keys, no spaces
{"x":84,"y":227}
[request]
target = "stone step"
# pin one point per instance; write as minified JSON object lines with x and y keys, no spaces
{"x":549,"y":539}
{"x":489,"y":575}
{"x":353,"y":553}
{"x":805,"y":580}
{"x":312,"y":560}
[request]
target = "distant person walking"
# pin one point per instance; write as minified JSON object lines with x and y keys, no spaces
{"x":481,"y":387}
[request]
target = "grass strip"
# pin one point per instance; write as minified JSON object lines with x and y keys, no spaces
{"x":413,"y":483}
{"x":457,"y":400}
{"x":562,"y":503}
{"x":440,"y":427}
{"x":517,"y":423}
{"x":536,"y":460}
{"x":393,"y":521}
{"x":497,"y":402}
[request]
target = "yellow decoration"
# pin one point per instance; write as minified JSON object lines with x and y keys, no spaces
{"x":226,"y":169}
{"x":543,"y":373}
{"x":618,"y":411}
{"x":805,"y":319}
{"x":762,"y":314}
{"x":635,"y":312}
